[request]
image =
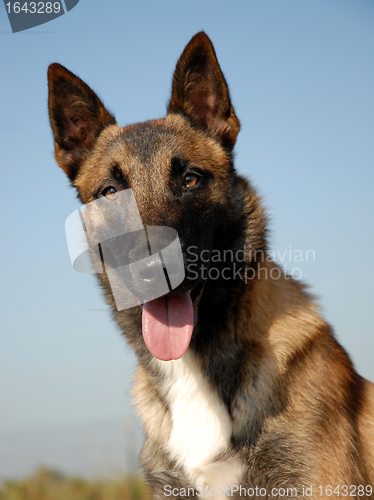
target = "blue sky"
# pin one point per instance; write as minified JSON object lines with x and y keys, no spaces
{"x":301,"y":76}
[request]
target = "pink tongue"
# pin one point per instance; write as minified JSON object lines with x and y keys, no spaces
{"x":168,"y":325}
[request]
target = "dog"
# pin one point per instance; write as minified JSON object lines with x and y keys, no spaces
{"x":251,"y":395}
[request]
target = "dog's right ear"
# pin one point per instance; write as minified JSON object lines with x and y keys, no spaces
{"x":77,"y":117}
{"x":200,"y":91}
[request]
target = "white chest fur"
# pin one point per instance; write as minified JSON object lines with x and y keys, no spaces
{"x":201,"y":425}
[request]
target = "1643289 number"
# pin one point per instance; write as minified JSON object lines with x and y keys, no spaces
{"x":34,"y":7}
{"x":346,"y":491}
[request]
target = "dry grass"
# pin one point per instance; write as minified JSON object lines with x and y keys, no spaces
{"x":49,"y":485}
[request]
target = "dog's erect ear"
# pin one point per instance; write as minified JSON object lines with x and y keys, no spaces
{"x":77,"y":117}
{"x":201,"y":93}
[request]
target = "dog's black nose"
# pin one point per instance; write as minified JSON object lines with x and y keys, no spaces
{"x":149,"y":269}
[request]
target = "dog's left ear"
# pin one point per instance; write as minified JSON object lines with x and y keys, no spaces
{"x":200,"y":91}
{"x":77,"y":117}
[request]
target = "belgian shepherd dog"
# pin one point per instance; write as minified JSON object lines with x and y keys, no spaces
{"x":251,"y":395}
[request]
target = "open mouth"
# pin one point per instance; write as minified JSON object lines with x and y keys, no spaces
{"x":168,"y":322}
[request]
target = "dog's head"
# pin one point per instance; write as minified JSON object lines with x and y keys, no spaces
{"x":179,"y":169}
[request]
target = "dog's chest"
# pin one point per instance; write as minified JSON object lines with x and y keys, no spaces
{"x":201,"y":425}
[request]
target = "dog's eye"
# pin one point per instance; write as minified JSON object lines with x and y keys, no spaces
{"x":110,"y":193}
{"x":190,"y":180}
